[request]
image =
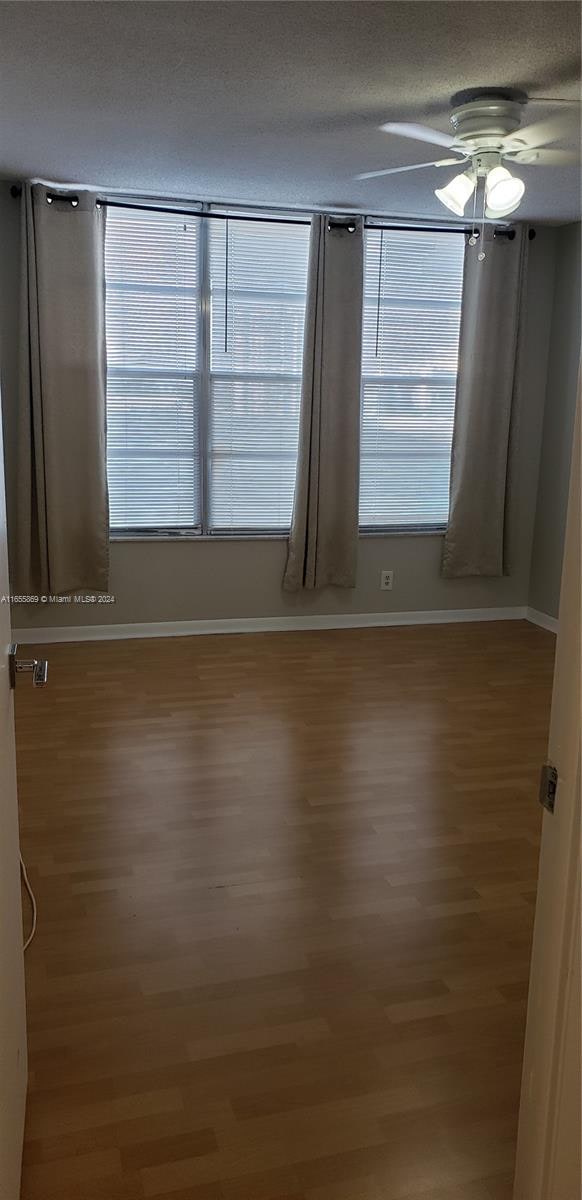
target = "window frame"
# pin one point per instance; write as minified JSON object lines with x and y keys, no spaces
{"x":163,"y":532}
{"x":419,"y":529}
{"x":241,"y":532}
{"x":204,"y":532}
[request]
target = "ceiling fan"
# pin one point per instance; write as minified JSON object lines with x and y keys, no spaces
{"x":486,"y":134}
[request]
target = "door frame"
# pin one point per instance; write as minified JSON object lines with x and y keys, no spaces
{"x":13,"y":1050}
{"x":546,"y":1147}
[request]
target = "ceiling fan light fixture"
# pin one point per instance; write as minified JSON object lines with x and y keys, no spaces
{"x":495,"y":214}
{"x":503,"y":192}
{"x":455,"y":195}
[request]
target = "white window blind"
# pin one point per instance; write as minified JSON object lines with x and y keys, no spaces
{"x":204,"y":347}
{"x":153,"y":384}
{"x":258,"y":281}
{"x":412,"y":311}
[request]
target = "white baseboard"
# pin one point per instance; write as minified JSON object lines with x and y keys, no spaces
{"x":543,"y":619}
{"x":98,"y":633}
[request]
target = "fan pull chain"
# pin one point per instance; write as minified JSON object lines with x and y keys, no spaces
{"x":474,"y":234}
{"x":379,"y":290}
{"x":481,"y":254}
{"x":226,"y":232}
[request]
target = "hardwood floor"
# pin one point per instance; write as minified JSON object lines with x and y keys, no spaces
{"x":285,"y":888}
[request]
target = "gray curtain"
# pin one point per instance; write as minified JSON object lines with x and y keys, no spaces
{"x":324,"y":531}
{"x":486,"y":407}
{"x":62,"y":520}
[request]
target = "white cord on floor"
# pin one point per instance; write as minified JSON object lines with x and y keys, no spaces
{"x":32,"y":902}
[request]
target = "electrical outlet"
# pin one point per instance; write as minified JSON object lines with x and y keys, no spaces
{"x":386,"y":580}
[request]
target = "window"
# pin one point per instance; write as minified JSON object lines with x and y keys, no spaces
{"x":204,"y":355}
{"x":152,"y":268}
{"x":412,"y":310}
{"x":258,"y":281}
{"x":204,"y":347}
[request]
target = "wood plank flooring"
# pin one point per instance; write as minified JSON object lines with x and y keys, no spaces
{"x":285,"y":888}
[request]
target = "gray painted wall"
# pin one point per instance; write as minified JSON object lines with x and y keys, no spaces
{"x":205,"y":579}
{"x":9,"y":305}
{"x":563,"y":367}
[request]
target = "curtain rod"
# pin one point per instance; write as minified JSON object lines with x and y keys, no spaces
{"x":336,"y":220}
{"x":197,"y":212}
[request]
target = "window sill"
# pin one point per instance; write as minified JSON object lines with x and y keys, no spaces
{"x":416,"y":531}
{"x":198,"y":537}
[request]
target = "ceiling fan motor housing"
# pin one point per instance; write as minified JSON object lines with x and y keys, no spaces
{"x":483,"y":125}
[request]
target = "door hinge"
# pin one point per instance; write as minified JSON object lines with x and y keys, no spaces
{"x":548,"y":786}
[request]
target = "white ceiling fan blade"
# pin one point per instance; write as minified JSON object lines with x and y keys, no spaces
{"x":551,"y":100}
{"x":542,"y":157}
{"x":555,"y":129}
{"x":418,"y":133}
{"x":444,"y":162}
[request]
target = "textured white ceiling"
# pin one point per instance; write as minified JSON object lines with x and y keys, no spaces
{"x":272,"y":102}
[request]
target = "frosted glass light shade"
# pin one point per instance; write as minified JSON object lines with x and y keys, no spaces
{"x":503,"y":192}
{"x":455,"y":195}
